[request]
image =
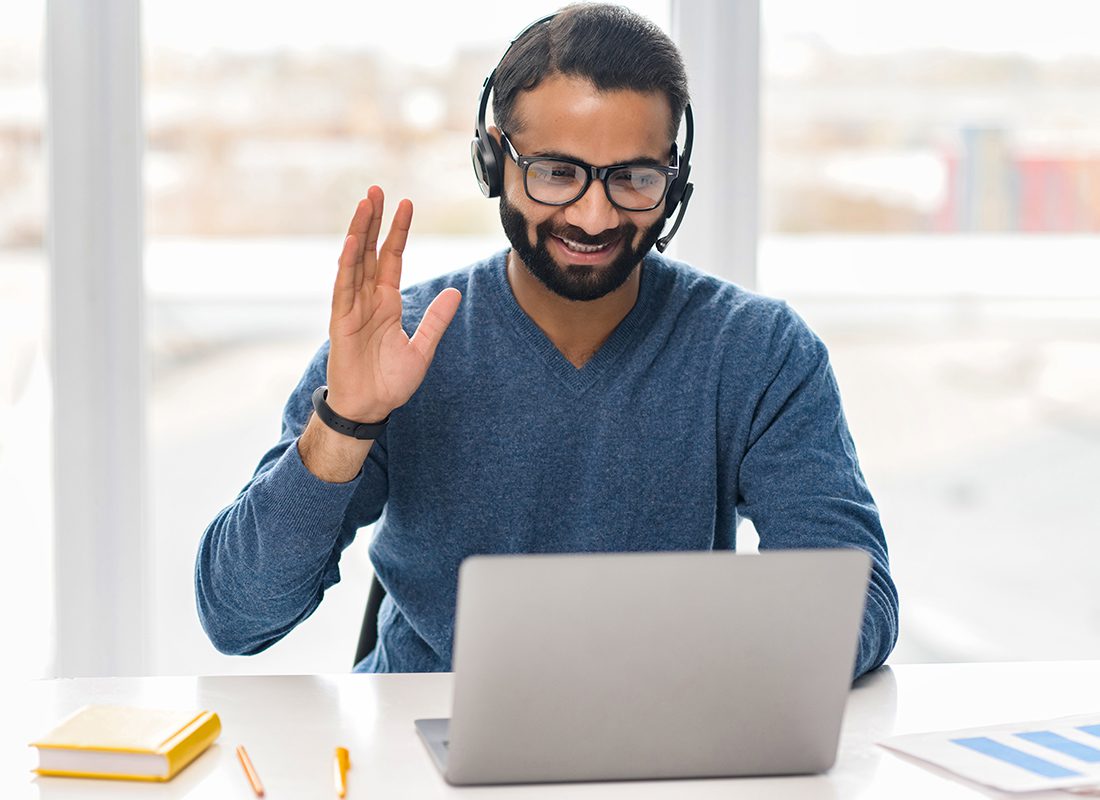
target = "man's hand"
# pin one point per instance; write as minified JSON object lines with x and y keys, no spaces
{"x":373,"y":366}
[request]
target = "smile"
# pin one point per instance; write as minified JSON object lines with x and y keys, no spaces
{"x":577,"y":247}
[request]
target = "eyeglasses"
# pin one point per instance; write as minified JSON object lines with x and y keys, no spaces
{"x":555,"y":181}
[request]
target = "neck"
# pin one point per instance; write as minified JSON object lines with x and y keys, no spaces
{"x":577,"y":328}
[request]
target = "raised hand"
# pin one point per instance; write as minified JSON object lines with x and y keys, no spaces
{"x":373,"y":365}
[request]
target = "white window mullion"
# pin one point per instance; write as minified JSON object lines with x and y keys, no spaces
{"x":95,"y":139}
{"x":720,"y":42}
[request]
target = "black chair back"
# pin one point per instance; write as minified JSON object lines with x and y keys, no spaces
{"x":368,"y":631}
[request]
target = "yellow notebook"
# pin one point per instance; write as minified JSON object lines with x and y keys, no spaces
{"x":122,"y":742}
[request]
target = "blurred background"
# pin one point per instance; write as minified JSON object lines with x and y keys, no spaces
{"x":929,"y":201}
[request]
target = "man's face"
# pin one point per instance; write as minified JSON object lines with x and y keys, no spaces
{"x":567,"y":116}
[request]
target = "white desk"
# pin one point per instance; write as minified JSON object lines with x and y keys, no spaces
{"x":290,"y":726}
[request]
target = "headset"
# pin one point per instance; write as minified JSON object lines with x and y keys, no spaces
{"x":488,"y":158}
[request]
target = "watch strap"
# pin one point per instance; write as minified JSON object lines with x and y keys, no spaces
{"x":348,"y":427}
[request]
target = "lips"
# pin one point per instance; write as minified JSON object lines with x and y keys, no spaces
{"x":579,"y":253}
{"x":583,"y":248}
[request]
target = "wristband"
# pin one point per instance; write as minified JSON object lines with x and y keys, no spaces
{"x":348,"y":427}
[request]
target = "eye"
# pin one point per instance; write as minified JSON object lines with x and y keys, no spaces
{"x":642,"y":178}
{"x":638,"y":178}
{"x":555,"y":172}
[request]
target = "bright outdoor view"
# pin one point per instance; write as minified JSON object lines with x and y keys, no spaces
{"x":930,"y":202}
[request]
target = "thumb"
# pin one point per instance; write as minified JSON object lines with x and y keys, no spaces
{"x":434,"y":324}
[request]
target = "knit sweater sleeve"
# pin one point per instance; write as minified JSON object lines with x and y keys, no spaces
{"x":799,"y":480}
{"x":265,"y":561}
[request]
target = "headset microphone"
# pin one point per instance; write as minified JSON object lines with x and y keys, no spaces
{"x":488,"y":158}
{"x":662,"y":243}
{"x":679,"y":193}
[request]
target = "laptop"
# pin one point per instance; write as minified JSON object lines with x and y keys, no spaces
{"x":618,"y":666}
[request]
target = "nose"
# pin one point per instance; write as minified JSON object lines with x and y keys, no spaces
{"x":592,"y":212}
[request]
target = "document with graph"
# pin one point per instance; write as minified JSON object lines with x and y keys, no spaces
{"x":1058,"y":753}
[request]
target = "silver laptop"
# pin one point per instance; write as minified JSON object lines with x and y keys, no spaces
{"x":649,"y":665}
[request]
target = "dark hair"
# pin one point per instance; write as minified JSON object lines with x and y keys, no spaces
{"x":611,"y":46}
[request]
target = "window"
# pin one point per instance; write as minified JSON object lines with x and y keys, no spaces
{"x":931,"y":204}
{"x":25,"y":391}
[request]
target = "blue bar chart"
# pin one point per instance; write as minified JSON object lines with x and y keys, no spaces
{"x":1033,"y":756}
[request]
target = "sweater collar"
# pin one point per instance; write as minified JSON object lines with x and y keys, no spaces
{"x":627,"y":333}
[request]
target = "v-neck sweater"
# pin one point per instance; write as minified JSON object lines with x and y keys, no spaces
{"x":576,"y":380}
{"x":706,"y":404}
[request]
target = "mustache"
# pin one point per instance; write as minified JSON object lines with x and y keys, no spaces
{"x":578,"y":235}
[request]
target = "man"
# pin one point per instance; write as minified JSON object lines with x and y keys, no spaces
{"x":574,"y":393}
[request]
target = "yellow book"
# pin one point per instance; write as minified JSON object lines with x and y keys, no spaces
{"x":129,"y":743}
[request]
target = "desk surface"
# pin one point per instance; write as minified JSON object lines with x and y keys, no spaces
{"x":290,"y":725}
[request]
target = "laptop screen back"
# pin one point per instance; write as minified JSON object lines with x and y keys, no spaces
{"x":652,"y":665}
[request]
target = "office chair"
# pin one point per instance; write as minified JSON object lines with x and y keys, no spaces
{"x":368,"y":632}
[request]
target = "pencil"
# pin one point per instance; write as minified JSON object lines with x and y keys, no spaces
{"x":341,"y":763}
{"x":250,"y":771}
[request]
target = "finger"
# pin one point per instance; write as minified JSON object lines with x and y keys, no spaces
{"x":343,"y":292}
{"x":389,"y":260}
{"x":434,"y":324}
{"x":370,"y":240}
{"x":359,"y":222}
{"x":361,"y":216}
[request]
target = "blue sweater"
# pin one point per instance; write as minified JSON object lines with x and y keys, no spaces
{"x":707,"y":404}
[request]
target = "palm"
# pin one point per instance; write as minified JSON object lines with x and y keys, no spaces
{"x":374,"y":366}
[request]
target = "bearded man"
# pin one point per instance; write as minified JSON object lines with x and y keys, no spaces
{"x":575,"y":392}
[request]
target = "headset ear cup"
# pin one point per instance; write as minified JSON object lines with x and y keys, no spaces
{"x":477,"y":159}
{"x":488,"y":161}
{"x":672,"y":198}
{"x":488,"y":164}
{"x":494,"y":165}
{"x":676,"y":191}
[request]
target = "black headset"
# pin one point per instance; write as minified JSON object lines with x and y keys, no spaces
{"x":488,"y":158}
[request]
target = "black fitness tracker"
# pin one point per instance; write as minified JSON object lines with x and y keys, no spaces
{"x":348,"y":427}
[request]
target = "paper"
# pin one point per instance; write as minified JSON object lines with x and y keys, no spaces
{"x":1058,"y":753}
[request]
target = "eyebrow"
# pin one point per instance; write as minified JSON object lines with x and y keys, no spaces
{"x":642,"y":161}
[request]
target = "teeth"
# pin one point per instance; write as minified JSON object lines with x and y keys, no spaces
{"x":583,"y":248}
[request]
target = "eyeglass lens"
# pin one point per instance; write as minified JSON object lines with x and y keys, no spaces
{"x":559,"y":182}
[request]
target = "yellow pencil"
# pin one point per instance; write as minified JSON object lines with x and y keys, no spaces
{"x":250,"y":771}
{"x":341,"y":763}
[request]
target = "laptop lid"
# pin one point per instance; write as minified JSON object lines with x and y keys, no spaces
{"x":652,"y":665}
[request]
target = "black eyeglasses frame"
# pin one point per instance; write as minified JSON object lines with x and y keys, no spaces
{"x":591,"y":173}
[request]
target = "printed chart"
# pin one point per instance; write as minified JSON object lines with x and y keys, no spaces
{"x":1020,"y":757}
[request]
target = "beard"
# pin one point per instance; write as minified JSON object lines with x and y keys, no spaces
{"x":575,"y":281}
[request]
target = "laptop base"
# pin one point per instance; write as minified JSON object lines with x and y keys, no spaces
{"x":434,"y":734}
